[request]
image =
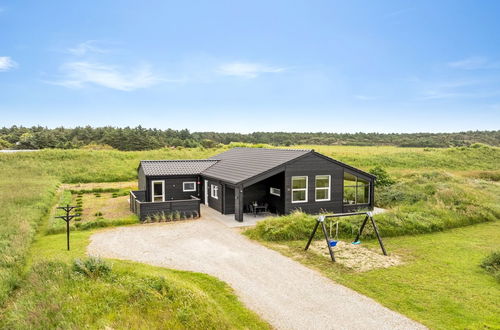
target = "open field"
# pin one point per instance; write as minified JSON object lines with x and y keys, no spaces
{"x":439,"y":284}
{"x":436,"y":189}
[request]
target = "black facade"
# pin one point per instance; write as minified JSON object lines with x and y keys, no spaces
{"x":238,"y":177}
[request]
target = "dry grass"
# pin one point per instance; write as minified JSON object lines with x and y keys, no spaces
{"x":104,"y":206}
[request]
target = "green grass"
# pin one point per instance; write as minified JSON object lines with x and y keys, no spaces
{"x":134,"y":295}
{"x":28,"y":184}
{"x":441,"y":283}
{"x":420,"y":202}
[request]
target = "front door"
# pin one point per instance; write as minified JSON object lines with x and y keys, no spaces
{"x":206,"y":192}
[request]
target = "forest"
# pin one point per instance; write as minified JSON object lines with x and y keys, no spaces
{"x":140,"y":138}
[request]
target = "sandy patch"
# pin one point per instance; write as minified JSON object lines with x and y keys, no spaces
{"x":356,"y":257}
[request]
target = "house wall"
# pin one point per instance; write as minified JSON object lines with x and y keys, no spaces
{"x":228,"y":200}
{"x":276,"y":203}
{"x":214,"y":202}
{"x":141,"y":178}
{"x":173,"y":187}
{"x":310,"y":166}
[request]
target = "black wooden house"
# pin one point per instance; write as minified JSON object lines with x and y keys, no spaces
{"x":231,"y":182}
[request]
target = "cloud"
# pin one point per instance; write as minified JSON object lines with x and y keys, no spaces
{"x":474,"y":63}
{"x":81,"y":74}
{"x":246,"y":69}
{"x":89,"y":46}
{"x":6,"y":63}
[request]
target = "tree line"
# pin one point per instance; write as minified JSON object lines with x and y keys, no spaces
{"x":139,"y":138}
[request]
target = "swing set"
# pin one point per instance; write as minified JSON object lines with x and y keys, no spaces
{"x":331,"y":242}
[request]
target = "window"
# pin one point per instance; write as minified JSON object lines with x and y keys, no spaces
{"x":322,"y":188}
{"x":214,"y":189}
{"x":299,"y":189}
{"x":189,"y":186}
{"x":275,"y":191}
{"x":158,"y":191}
{"x":356,"y":190}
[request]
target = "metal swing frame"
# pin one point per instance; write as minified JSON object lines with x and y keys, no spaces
{"x":321,"y":220}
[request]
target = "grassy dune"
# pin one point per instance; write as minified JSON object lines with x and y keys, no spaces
{"x":133,"y":295}
{"x":28,"y":184}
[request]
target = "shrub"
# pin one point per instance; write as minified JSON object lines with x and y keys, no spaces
{"x":98,"y":214}
{"x":77,"y":219}
{"x":92,"y":267}
{"x":114,"y":195}
{"x":383,"y":178}
{"x":78,"y":209}
{"x":97,"y":195}
{"x":492,"y":264}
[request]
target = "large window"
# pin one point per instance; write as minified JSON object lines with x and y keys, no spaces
{"x":299,"y":189}
{"x":158,"y":191}
{"x":356,"y":190}
{"x":322,"y":188}
{"x":214,"y":191}
{"x":189,"y":186}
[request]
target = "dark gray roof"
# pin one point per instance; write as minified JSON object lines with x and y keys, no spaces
{"x":176,"y":167}
{"x":239,"y":164}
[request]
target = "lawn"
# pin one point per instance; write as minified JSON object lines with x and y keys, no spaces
{"x":436,"y":189}
{"x":440,"y":284}
{"x":134,"y":295}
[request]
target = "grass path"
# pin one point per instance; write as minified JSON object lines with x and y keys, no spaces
{"x":441,"y":284}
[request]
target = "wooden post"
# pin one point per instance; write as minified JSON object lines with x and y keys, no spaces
{"x":238,"y":203}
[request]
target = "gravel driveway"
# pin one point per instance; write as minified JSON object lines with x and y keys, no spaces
{"x":285,"y":293}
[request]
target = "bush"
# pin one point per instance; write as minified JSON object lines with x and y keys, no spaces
{"x":98,"y":214}
{"x":92,"y":267}
{"x":492,"y":264}
{"x":383,"y":178}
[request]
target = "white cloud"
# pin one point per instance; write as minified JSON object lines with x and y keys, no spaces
{"x":89,"y":46}
{"x":246,"y":69}
{"x":474,"y":63}
{"x":6,"y":63}
{"x":81,"y":74}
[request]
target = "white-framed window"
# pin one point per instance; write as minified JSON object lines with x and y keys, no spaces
{"x":275,"y":191}
{"x":157,"y":191}
{"x":189,"y":186}
{"x":299,"y":189}
{"x":322,"y":188}
{"x":214,"y":191}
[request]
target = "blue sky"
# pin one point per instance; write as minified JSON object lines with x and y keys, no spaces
{"x":335,"y":66}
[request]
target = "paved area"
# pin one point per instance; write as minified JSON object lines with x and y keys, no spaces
{"x":285,"y":293}
{"x":228,"y":219}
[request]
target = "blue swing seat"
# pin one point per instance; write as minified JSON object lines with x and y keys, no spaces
{"x":333,"y":243}
{"x":356,"y":243}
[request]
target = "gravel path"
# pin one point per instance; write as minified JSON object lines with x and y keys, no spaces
{"x":285,"y":293}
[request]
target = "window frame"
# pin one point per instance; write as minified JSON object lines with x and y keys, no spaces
{"x":153,"y":190}
{"x":356,"y":186}
{"x":184,"y":186}
{"x":300,"y":189}
{"x":274,"y":192}
{"x":328,"y":188}
{"x":214,"y":191}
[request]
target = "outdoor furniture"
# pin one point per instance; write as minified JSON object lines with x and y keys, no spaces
{"x":255,"y":208}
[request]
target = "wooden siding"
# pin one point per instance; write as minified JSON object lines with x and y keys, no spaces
{"x":142,"y":178}
{"x":214,"y":202}
{"x":310,"y":166}
{"x":173,"y":187}
{"x":228,"y":200}
{"x":187,"y":207}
